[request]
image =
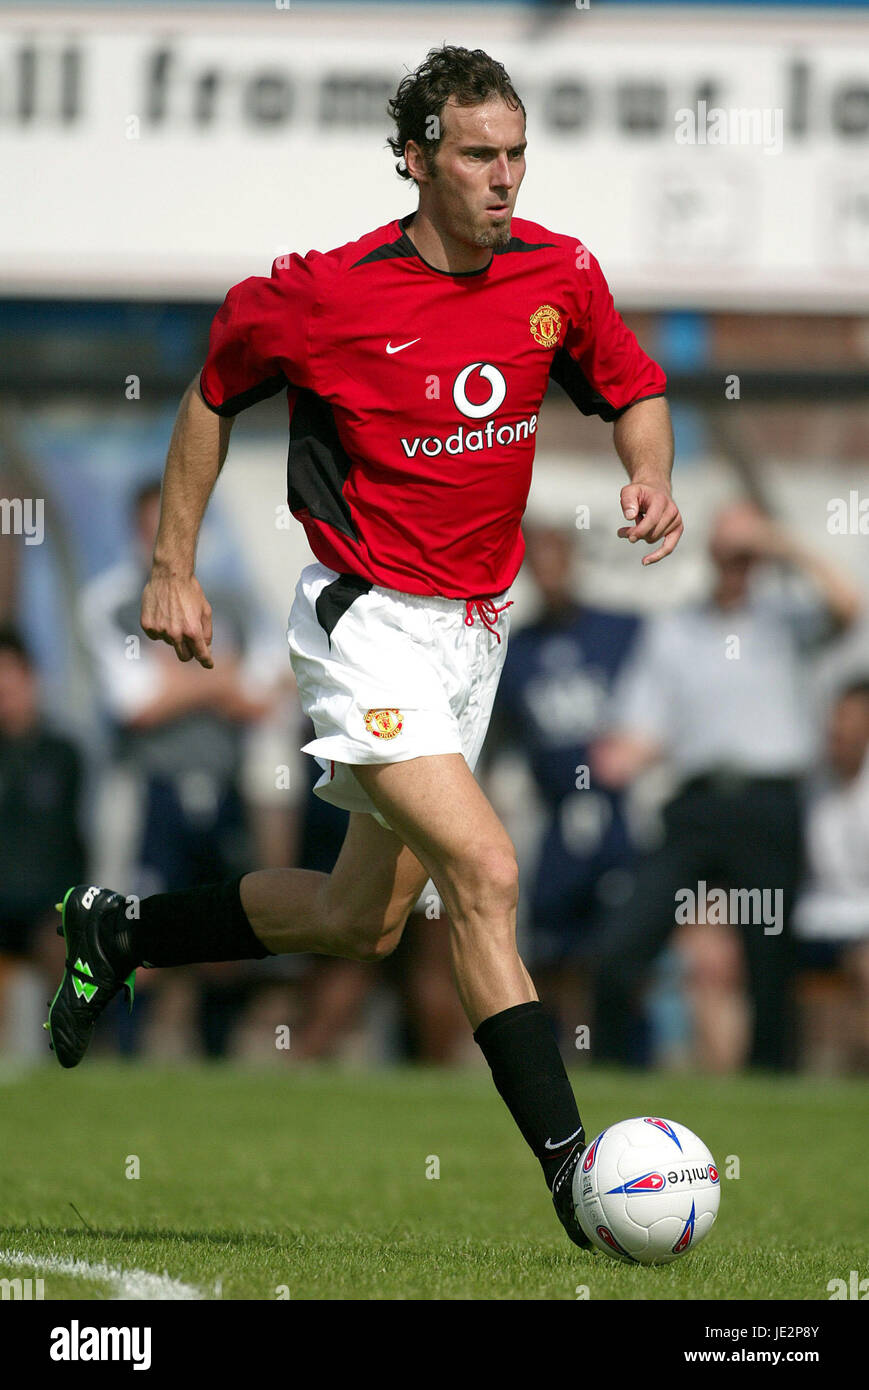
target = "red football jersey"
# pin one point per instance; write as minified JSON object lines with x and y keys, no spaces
{"x":414,"y":394}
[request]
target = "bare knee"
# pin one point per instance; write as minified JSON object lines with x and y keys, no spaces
{"x":484,"y":884}
{"x":369,"y":934}
{"x":371,"y":947}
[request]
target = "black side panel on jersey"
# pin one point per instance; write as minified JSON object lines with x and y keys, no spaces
{"x":336,"y":598}
{"x":235,"y":404}
{"x":570,"y":376}
{"x":318,"y":464}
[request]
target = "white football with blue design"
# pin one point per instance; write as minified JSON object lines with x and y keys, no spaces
{"x":647,"y":1190}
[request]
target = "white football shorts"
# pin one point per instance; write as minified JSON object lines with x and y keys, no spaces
{"x":386,"y":676}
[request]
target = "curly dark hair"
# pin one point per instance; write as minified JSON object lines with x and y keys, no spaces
{"x":470,"y":76}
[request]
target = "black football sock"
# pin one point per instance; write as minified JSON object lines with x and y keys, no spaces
{"x":184,"y":928}
{"x":528,"y":1072}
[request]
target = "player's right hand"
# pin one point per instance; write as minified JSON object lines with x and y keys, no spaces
{"x":175,"y":610}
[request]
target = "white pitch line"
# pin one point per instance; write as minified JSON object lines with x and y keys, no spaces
{"x":126,"y":1284}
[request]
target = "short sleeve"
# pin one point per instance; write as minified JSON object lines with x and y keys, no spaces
{"x":600,"y":364}
{"x":260,"y":336}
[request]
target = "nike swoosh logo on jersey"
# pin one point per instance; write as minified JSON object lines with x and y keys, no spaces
{"x":561,"y":1143}
{"x":400,"y":346}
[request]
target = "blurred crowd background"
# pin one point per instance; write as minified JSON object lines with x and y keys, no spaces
{"x":691,"y":733}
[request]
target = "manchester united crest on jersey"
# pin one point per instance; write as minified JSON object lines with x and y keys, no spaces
{"x":546,"y":326}
{"x":384,"y":723}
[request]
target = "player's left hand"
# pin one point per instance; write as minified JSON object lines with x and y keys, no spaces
{"x":653,"y":515}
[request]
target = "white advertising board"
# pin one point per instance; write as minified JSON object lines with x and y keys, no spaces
{"x":715,"y":159}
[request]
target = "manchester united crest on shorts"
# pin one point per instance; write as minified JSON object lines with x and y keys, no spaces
{"x":384,"y":723}
{"x":546,"y":326}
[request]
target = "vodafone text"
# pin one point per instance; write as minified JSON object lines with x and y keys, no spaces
{"x":471,"y":440}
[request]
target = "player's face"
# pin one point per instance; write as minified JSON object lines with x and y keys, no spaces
{"x":478,"y":168}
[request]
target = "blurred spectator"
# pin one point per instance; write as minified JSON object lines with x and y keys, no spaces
{"x":832,"y":912}
{"x":180,"y":733}
{"x":555,"y":687}
{"x":41,"y":848}
{"x":719,"y":689}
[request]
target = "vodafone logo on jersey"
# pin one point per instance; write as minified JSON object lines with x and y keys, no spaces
{"x":464,"y":440}
{"x":496,"y":395}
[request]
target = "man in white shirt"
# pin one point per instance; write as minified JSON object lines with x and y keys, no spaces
{"x":719,"y":690}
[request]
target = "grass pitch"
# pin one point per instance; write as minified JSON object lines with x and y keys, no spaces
{"x":312,"y":1184}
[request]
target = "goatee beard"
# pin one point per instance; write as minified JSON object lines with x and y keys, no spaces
{"x":494,"y":236}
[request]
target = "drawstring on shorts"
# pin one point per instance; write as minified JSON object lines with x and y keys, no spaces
{"x":487,"y":612}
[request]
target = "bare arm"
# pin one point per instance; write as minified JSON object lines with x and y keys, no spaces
{"x":174,"y":608}
{"x":643,"y":439}
{"x":841,"y":595}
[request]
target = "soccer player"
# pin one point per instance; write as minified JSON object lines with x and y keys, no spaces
{"x":415,"y":361}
